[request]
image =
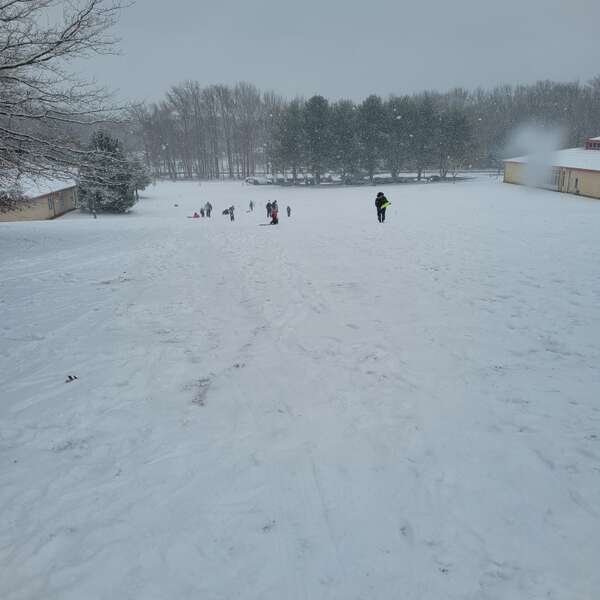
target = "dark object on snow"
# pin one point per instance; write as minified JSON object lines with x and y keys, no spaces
{"x":175,"y":204}
{"x":381,"y":203}
{"x":71,"y":378}
{"x":208,"y":208}
{"x":269,"y":208}
{"x":226,"y":211}
{"x":231,"y":213}
{"x":274,"y":214}
{"x":251,"y":206}
{"x":289,"y":211}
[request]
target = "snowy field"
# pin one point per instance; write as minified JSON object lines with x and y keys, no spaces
{"x":327,"y":409}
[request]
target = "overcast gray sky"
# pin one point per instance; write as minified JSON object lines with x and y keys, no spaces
{"x":351,"y":48}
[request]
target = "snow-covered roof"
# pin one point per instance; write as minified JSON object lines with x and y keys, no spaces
{"x":595,"y":139}
{"x":40,"y":186}
{"x":571,"y":158}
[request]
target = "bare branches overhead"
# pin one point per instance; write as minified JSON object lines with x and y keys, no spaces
{"x":42,"y":103}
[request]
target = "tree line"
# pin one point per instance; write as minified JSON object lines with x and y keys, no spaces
{"x":238,"y":131}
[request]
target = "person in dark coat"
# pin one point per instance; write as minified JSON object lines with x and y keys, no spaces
{"x":231,"y":215}
{"x":289,"y":211}
{"x":269,"y":207}
{"x":208,"y":209}
{"x":274,"y":214}
{"x":251,"y":206}
{"x":381,"y":203}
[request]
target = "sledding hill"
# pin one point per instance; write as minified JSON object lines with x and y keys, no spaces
{"x":327,"y":408}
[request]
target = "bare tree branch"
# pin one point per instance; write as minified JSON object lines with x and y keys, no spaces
{"x":43,"y":105}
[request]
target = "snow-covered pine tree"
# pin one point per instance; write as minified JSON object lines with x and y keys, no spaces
{"x":107,"y":181}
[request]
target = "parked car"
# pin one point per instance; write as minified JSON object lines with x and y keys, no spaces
{"x":258,"y":181}
{"x":355,"y":180}
{"x":382,"y":178}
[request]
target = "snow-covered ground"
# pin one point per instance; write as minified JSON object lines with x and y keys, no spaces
{"x":327,"y":409}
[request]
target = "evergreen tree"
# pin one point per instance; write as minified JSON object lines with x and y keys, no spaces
{"x":345,"y":143}
{"x":454,"y":140}
{"x":400,"y":118}
{"x":107,"y":182}
{"x":424,"y":133}
{"x":290,"y":137}
{"x":317,"y":139}
{"x":372,"y":133}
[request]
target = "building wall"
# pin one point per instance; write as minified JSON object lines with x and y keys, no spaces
{"x":585,"y":183}
{"x":45,"y":207}
{"x":514,"y":173}
{"x":570,"y":181}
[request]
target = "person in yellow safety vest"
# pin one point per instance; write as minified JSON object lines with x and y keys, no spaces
{"x":381,"y":203}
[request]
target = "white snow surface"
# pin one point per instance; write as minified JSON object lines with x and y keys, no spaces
{"x":570,"y":158}
{"x":326,"y":409}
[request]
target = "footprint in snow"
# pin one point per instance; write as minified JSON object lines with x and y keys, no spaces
{"x":200,"y":389}
{"x":268,"y":527}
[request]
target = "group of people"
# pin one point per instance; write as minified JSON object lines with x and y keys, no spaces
{"x":205,"y":211}
{"x":273,"y":212}
{"x":381,"y":204}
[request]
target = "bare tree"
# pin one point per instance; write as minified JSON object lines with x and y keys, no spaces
{"x":42,"y":104}
{"x":248,"y":103}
